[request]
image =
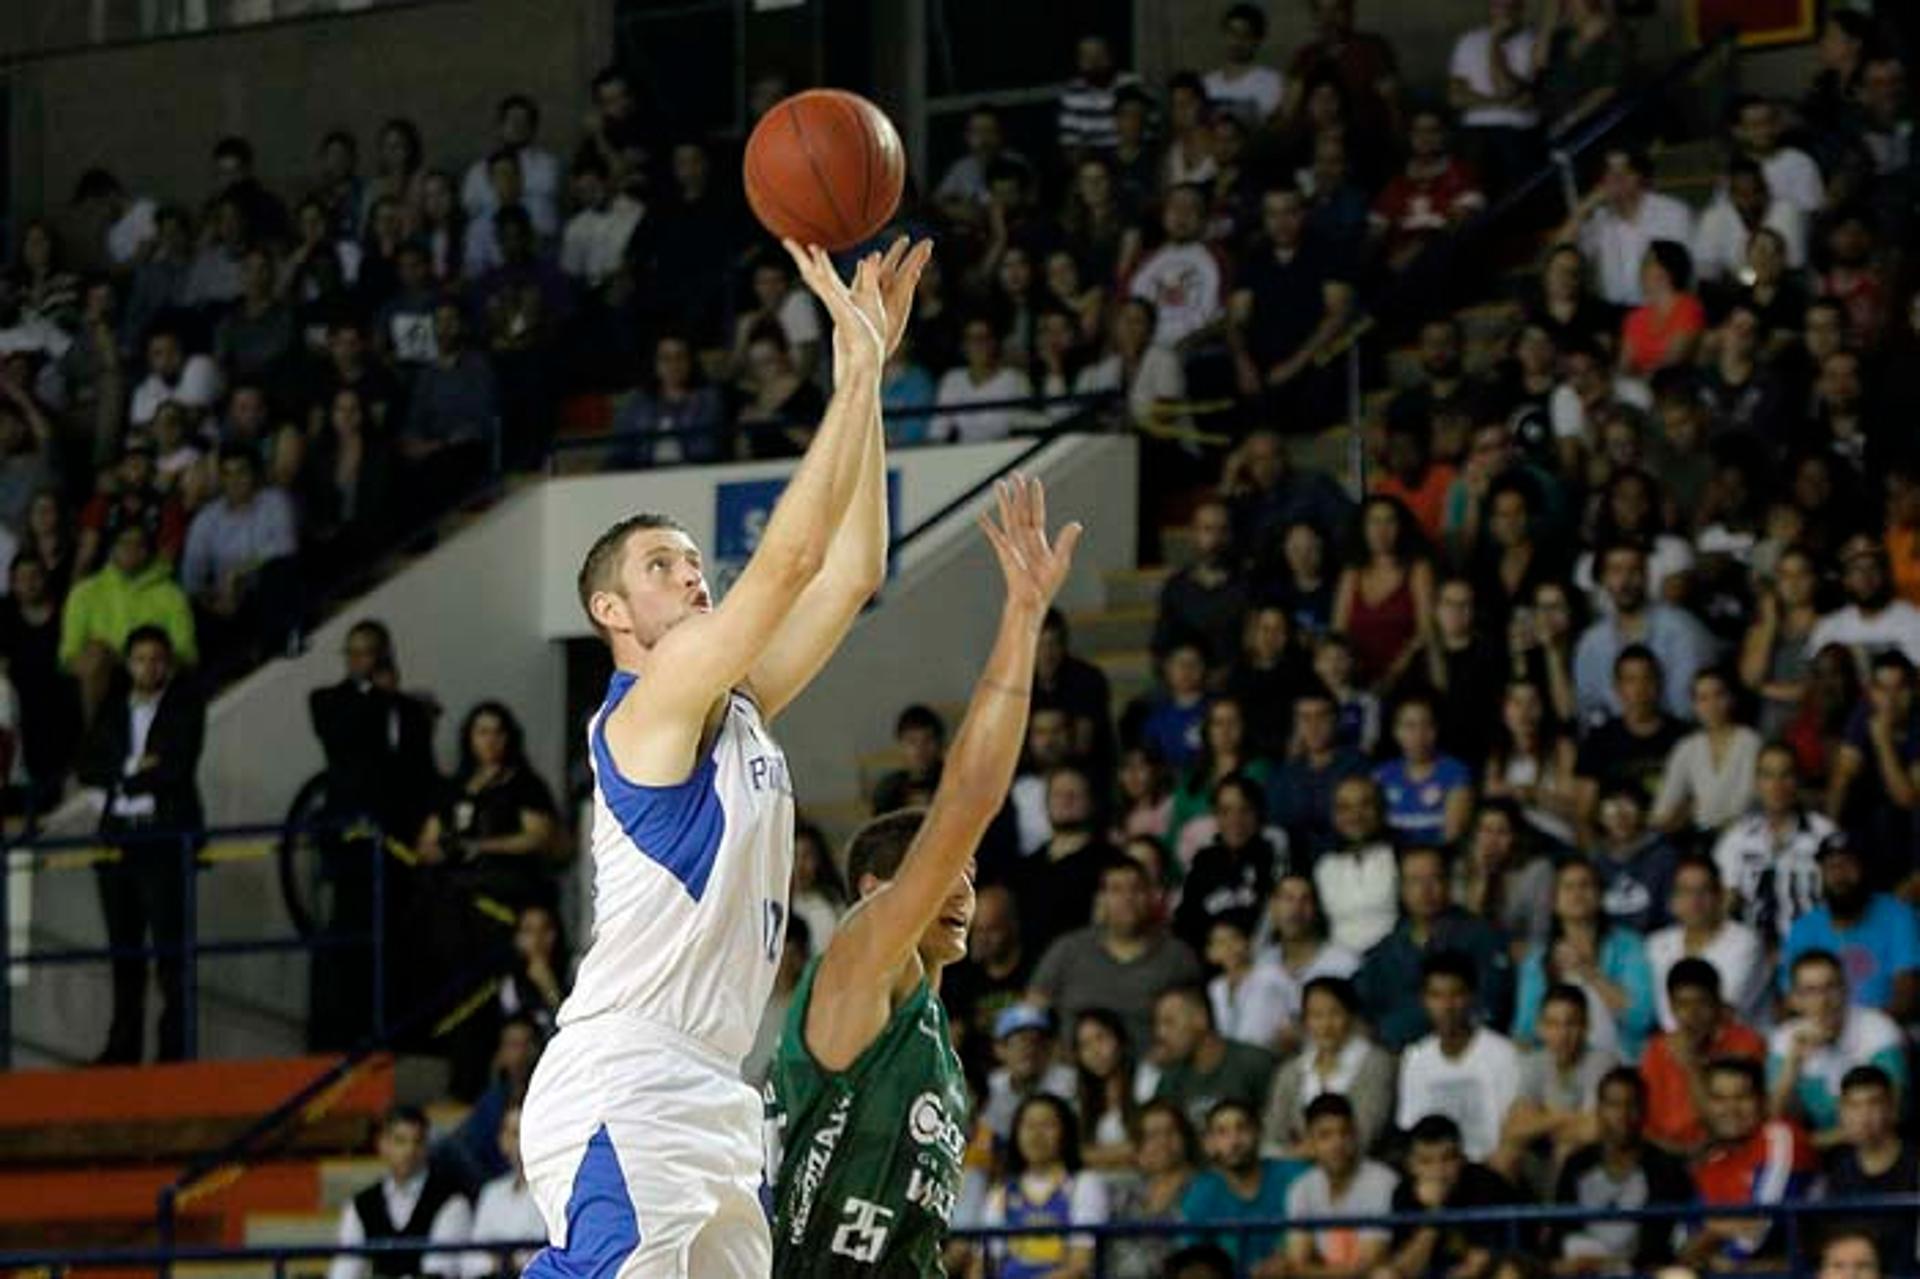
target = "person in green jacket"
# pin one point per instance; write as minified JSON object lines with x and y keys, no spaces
{"x":134,"y":589}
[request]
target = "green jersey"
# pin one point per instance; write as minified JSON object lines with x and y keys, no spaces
{"x":869,"y":1158}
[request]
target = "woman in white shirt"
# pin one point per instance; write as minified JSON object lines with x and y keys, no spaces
{"x":1150,"y":376}
{"x":983,"y":379}
{"x":1709,"y":776}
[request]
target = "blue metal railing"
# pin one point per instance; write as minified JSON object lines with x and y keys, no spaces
{"x":197,"y":853}
{"x":1517,"y":1223}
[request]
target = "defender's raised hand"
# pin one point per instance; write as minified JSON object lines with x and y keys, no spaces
{"x":1034,"y":566}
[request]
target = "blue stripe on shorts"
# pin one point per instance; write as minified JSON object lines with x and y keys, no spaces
{"x":602,"y":1230}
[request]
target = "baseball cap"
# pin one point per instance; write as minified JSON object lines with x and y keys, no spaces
{"x":1018,"y":1017}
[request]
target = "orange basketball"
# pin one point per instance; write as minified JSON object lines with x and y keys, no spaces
{"x":825,"y":167}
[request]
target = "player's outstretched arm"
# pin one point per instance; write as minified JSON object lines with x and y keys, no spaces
{"x":873,"y":947}
{"x":856,"y":564}
{"x":707,"y":655}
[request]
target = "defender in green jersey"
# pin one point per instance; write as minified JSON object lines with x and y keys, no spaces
{"x":867,"y":1105}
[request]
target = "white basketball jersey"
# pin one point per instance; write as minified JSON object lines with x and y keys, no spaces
{"x":689,"y":885}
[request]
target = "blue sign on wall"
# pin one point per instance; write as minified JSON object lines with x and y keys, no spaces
{"x":741,"y":509}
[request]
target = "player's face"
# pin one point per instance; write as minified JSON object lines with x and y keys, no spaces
{"x":945,"y":941}
{"x":662,"y":583}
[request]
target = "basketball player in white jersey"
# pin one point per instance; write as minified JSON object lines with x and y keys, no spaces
{"x":642,"y":1146}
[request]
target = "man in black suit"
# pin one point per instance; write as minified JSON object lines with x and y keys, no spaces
{"x":143,"y":752}
{"x":379,"y":747}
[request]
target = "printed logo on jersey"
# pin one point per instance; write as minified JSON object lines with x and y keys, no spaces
{"x":813,"y":1170}
{"x":928,"y":1125}
{"x":769,"y":773}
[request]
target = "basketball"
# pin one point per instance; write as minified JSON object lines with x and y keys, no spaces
{"x":824,"y":167}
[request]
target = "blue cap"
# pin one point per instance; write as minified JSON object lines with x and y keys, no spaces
{"x":1018,"y":1017}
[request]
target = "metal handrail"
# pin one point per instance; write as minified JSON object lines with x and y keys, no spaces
{"x":1516,"y":1218}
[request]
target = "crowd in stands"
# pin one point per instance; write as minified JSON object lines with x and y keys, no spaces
{"x":1539,"y":828}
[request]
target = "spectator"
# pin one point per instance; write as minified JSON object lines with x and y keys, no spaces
{"x":536,"y":985}
{"x":1023,"y":1043}
{"x":1166,"y":1153}
{"x":49,"y":697}
{"x":1605,"y":960}
{"x":1846,"y":1254}
{"x":1884,"y":729}
{"x":1757,"y":126}
{"x":453,"y":415}
{"x":1628,"y":752}
{"x":1664,"y":330}
{"x":133,"y":497}
{"x":104,"y":610}
{"x":1104,"y":1097}
{"x":1205,"y":600}
{"x":1171,"y":726}
{"x":1490,"y":83}
{"x":496,"y":820}
{"x":525,"y":304}
{"x":1185,"y":278}
{"x":1360,"y":63}
{"x":1090,"y":99}
{"x":410,"y":1202}
{"x":1430,"y":925}
{"x":1580,"y":62}
{"x":1429,"y":796}
{"x":962,"y":191}
{"x":1873,"y":621}
{"x":518,"y":121}
{"x":347,"y":483}
{"x":1358,"y":878}
{"x":1554,"y":1111}
{"x":920,"y":737}
{"x":976,"y":402}
{"x":1504,"y":878}
{"x":1267,"y":678}
{"x":27,"y":463}
{"x":679,"y":418}
{"x":1269,"y":498}
{"x":1739,"y":210}
{"x":505,"y":1211}
{"x":256,"y":338}
{"x":1078,"y":687}
{"x":213,"y":278}
{"x":1385,"y":594}
{"x":1532,"y":763}
{"x":1620,"y":1169}
{"x":1149,"y":376}
{"x":1752,"y":1160}
{"x":1122,"y":962}
{"x":1301,"y":793}
{"x":1412,"y":478}
{"x":1049,"y":746}
{"x":1293,"y":298}
{"x":1635,"y":865}
{"x":1709,"y":777}
{"x":1356,"y":710}
{"x":1145,"y":798}
{"x":1341,"y":1183}
{"x":403,"y":327}
{"x":1233,"y":874}
{"x":1295,"y":938}
{"x":1873,"y":934}
{"x":1460,"y":1071}
{"x":1702,"y":930}
{"x":1240,"y":1186}
{"x":174,"y":376}
{"x":1199,"y":1067}
{"x":1434,"y":194}
{"x":347,"y":367}
{"x":1059,"y":880}
{"x":1873,"y":1159}
{"x":1678,"y":642}
{"x":1441,"y":1178}
{"x":1619,"y":218}
{"x":238,"y":563}
{"x":1675,"y":1063}
{"x":780,"y":302}
{"x":1240,"y":86}
{"x":1254,"y":1001}
{"x":1768,"y":859}
{"x":143,"y":754}
{"x":1810,"y":1056}
{"x":1336,"y":1059}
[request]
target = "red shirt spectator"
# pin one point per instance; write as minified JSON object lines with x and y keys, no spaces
{"x":1673,"y":1120}
{"x":1652,"y":337}
{"x":1432,"y":194}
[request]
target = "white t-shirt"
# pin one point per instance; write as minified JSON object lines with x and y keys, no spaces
{"x":595,"y":241}
{"x":1569,"y":415}
{"x":1370,"y":1193}
{"x":1720,"y":244}
{"x":1895,"y":626}
{"x":505,"y":1213}
{"x":799,"y":318}
{"x":539,"y":189}
{"x":1187,"y":286}
{"x":1794,"y":177}
{"x":199,"y":387}
{"x":1735,"y":953}
{"x":1259,"y":1009}
{"x":1614,"y":246}
{"x":1360,"y":895}
{"x":1472,"y":63}
{"x":1718,"y":794}
{"x":134,"y":228}
{"x":1475,"y":1089}
{"x":1254,"y":94}
{"x":958,"y":390}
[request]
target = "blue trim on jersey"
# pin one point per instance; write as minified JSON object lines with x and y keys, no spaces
{"x":679,"y":827}
{"x":602,"y":1227}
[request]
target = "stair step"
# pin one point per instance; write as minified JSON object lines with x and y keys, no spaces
{"x":1134,"y":588}
{"x":1119,"y":664}
{"x":292,"y":1229}
{"x":1113,"y":628}
{"x":342,"y":1179}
